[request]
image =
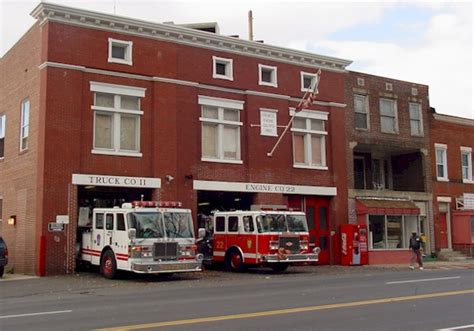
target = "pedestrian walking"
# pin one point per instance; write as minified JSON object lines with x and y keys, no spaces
{"x":415,"y":246}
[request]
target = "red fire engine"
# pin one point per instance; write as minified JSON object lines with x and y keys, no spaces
{"x":274,"y":239}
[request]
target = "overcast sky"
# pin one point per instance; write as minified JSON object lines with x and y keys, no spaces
{"x":423,"y":42}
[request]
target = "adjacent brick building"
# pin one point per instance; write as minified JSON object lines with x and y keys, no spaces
{"x":453,"y":182}
{"x":116,"y":109}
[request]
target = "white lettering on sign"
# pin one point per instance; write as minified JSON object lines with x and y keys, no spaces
{"x":344,"y":243}
{"x":55,"y":227}
{"x":268,"y":123}
{"x":62,"y":219}
{"x":205,"y":185}
{"x":104,"y":180}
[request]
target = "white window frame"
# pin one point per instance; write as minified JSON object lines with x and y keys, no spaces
{"x":128,"y":45}
{"x":395,"y":110}
{"x":467,"y":151}
{"x":229,"y":68}
{"x":222,"y":104}
{"x":117,"y":112}
{"x":3,"y":126}
{"x":405,"y":237}
{"x":274,"y":75}
{"x":443,"y":162}
{"x":308,"y":133}
{"x":421,"y":133}
{"x":366,"y":103}
{"x":24,"y":125}
{"x":304,"y":75}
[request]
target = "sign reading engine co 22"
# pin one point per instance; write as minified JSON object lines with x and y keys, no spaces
{"x":119,"y":181}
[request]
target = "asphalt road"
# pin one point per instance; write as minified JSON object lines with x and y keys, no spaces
{"x":358,"y":299}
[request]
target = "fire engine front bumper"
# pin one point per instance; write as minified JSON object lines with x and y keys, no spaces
{"x":167,"y":266}
{"x":275,"y":258}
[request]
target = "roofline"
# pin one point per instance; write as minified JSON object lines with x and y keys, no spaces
{"x":45,"y":12}
{"x":454,"y":119}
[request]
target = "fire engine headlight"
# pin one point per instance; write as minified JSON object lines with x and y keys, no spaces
{"x":316,"y":250}
{"x":199,"y":257}
{"x":274,"y":245}
{"x":187,"y":251}
{"x":304,"y":244}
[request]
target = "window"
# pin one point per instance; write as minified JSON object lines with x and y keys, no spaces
{"x":359,"y":173}
{"x":99,"y":221}
{"x":416,"y":121}
{"x":233,"y":224}
{"x":116,"y":119}
{"x":109,"y":221}
{"x":392,"y":231}
{"x":220,"y":129}
{"x":120,"y":51}
{"x":466,"y":164}
{"x":360,"y":81}
{"x":120,"y":222}
{"x":25,"y":124}
{"x":3,"y":125}
{"x":222,"y":68}
{"x":389,"y":86}
{"x":381,"y":174}
{"x":361,"y":112}
{"x":441,"y":162}
{"x":267,"y":75}
{"x":307,"y":81}
{"x":309,"y":140}
{"x":220,"y":224}
{"x":388,"y":116}
{"x":248,"y":223}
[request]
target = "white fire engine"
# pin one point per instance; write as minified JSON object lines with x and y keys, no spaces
{"x":142,"y":237}
{"x":274,"y":239}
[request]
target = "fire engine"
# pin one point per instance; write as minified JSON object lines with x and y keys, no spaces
{"x":273,"y":239}
{"x":142,"y":237}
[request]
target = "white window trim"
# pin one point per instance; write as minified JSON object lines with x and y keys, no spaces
{"x":128,"y":51}
{"x":221,"y":104}
{"x":395,"y":109}
{"x":117,"y":91}
{"x":422,"y":133}
{"x":314,"y":114}
{"x":468,"y":151}
{"x":274,"y":75}
{"x":367,"y":113}
{"x":303,"y":75}
{"x":444,"y":147}
{"x":23,"y":126}
{"x":307,"y":143}
{"x":229,"y":65}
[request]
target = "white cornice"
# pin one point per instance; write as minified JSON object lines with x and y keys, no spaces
{"x":45,"y":12}
{"x":182,"y":82}
{"x":454,"y":119}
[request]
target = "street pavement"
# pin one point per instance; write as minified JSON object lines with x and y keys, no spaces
{"x":389,"y":297}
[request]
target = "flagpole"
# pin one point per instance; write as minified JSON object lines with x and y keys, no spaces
{"x":300,"y":104}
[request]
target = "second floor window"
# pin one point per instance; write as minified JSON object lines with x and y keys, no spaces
{"x":220,"y":129}
{"x":388,"y":116}
{"x":466,"y":164}
{"x":361,"y":112}
{"x":416,"y":122}
{"x":3,"y":119}
{"x":117,"y":113}
{"x":309,"y":142}
{"x":25,"y":124}
{"x":441,"y":162}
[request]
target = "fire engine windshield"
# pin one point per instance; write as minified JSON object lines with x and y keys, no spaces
{"x":281,"y":223}
{"x":148,"y":225}
{"x":178,"y":225}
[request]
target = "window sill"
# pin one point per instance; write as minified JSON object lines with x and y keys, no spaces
{"x":222,"y":161}
{"x":114,"y":153}
{"x":363,"y":129}
{"x":268,"y":84}
{"x":223,"y":77}
{"x":310,"y":167}
{"x":442,"y":179}
{"x":465,"y":181}
{"x":119,"y":61}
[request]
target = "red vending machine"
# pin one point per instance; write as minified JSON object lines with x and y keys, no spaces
{"x":354,"y":246}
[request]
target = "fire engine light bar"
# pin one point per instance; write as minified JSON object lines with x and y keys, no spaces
{"x":170,"y":204}
{"x":156,"y":204}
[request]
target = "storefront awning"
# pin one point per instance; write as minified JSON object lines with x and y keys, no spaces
{"x":386,"y":207}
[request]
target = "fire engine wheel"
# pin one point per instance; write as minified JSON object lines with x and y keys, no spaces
{"x":280,"y":267}
{"x":108,"y":265}
{"x":234,"y":261}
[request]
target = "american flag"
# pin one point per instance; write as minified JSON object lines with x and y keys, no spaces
{"x":309,"y":96}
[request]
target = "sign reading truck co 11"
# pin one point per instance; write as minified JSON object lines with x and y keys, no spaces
{"x":118,"y":181}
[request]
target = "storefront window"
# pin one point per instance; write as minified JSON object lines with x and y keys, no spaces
{"x":392,"y":231}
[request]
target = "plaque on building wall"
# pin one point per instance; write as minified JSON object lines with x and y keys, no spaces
{"x":268,"y":123}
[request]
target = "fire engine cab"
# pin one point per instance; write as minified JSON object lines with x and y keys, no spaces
{"x":142,"y":237}
{"x":273,"y":239}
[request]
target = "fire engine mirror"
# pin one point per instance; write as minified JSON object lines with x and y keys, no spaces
{"x":132,"y":233}
{"x":201,"y":233}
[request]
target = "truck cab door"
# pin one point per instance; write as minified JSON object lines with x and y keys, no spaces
{"x":109,"y":230}
{"x":97,"y":237}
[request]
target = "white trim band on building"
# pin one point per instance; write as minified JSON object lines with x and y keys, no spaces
{"x":205,"y":185}
{"x":117,"y":181}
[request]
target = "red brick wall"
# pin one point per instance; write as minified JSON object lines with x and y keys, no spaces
{"x":18,"y":170}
